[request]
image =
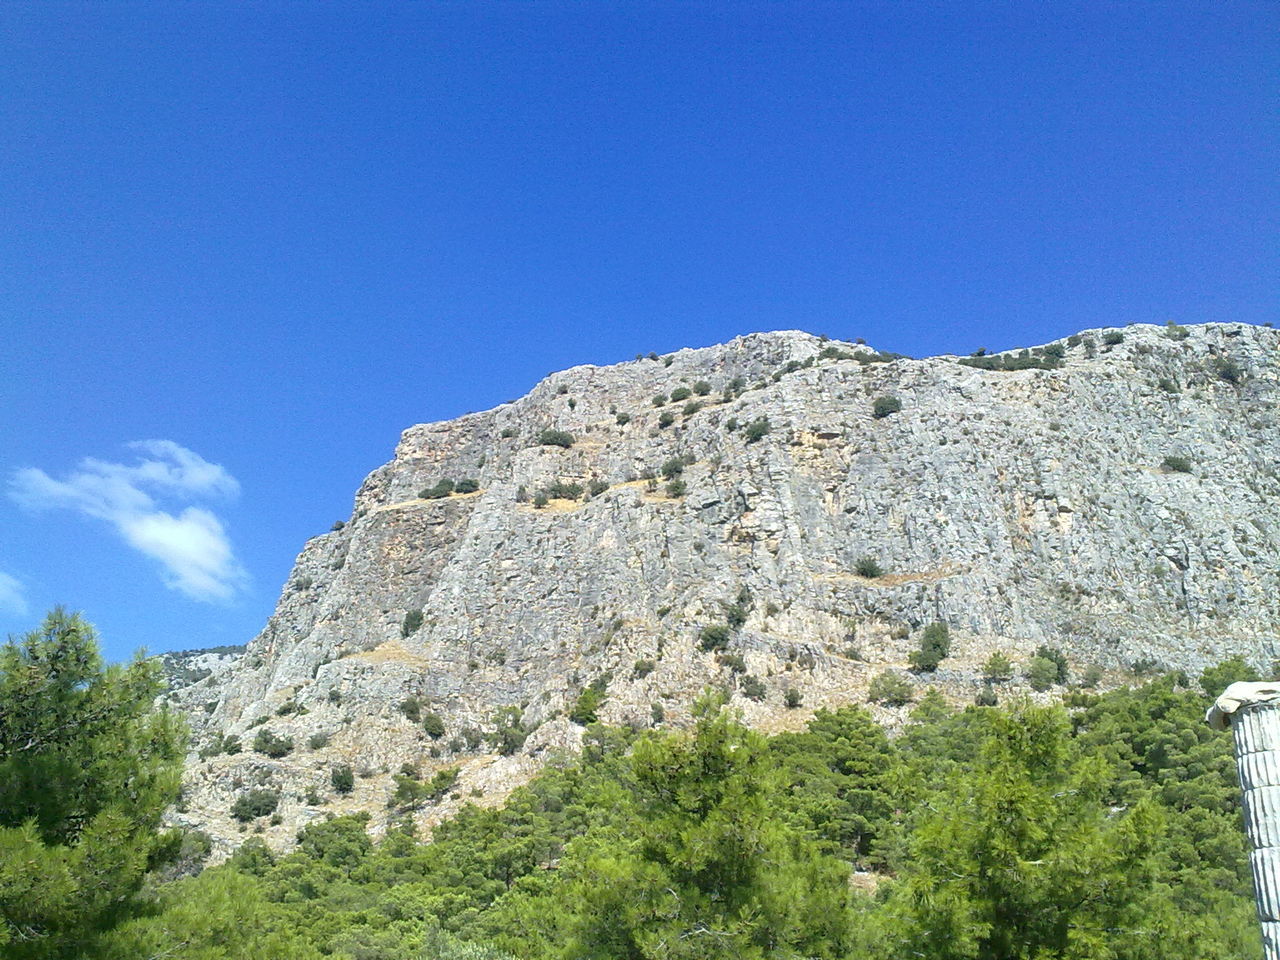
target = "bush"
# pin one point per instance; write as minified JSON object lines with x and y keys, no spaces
{"x":935,"y":644}
{"x":869,"y":567}
{"x":997,"y":668}
{"x":622,"y":419}
{"x":659,"y":399}
{"x":589,"y":701}
{"x":702,"y":388}
{"x":318,"y":741}
{"x":986,"y":696}
{"x":715,"y":637}
{"x":672,"y":468}
{"x":1175,"y":332}
{"x":442,"y":489}
{"x":508,"y":734}
{"x":1059,"y":661}
{"x":411,"y":623}
{"x":643,"y":668}
{"x":555,"y":438}
{"x":733,"y":661}
{"x":885,"y":406}
{"x":507,"y":433}
{"x":666,"y":420}
{"x":254,"y":804}
{"x":1167,"y":385}
{"x":1175,"y":464}
{"x":564,"y":491}
{"x":338,"y":525}
{"x":756,"y":429}
{"x":272,"y":746}
{"x":680,"y":393}
{"x":540,"y":500}
{"x":1092,"y":676}
{"x":891,"y":689}
{"x":433,"y":724}
{"x":753,"y":688}
{"x":1227,"y":369}
{"x":690,"y":408}
{"x":468,"y":485}
{"x":1113,"y":338}
{"x":343,"y":779}
{"x":676,"y":489}
{"x":412,"y":708}
{"x":792,"y":698}
{"x":1042,"y":673}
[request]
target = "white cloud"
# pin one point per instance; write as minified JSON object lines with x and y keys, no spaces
{"x":191,"y":545}
{"x":13,"y":598}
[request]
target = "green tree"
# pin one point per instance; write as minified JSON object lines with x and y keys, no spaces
{"x":87,"y":765}
{"x":1021,"y":858}
{"x":935,"y":644}
{"x":706,"y":868}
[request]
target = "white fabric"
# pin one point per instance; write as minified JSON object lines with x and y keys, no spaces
{"x":1240,"y":695}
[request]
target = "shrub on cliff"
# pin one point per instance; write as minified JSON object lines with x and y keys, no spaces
{"x":555,"y":438}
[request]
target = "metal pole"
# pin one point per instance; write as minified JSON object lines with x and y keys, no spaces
{"x":1252,"y":711}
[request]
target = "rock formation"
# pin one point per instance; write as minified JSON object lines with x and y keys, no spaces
{"x":1114,"y":495}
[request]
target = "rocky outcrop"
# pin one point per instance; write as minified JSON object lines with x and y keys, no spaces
{"x":1116,"y":497}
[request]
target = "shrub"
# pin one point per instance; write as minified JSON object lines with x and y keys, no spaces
{"x":442,"y":489}
{"x":753,"y":688}
{"x":272,"y":746}
{"x":540,"y":500}
{"x":676,"y":489}
{"x":555,"y":438}
{"x":508,"y":733}
{"x":338,"y":525}
{"x":507,"y":433}
{"x":792,"y":698}
{"x":680,"y":393}
{"x":1059,"y":661}
{"x":564,"y":491}
{"x":1217,"y":678}
{"x":986,"y":696}
{"x":672,"y":468}
{"x":622,"y":419}
{"x":643,"y":668}
{"x":935,"y":644}
{"x":1175,"y":464}
{"x":1055,"y":350}
{"x":411,"y":623}
{"x":691,"y":408}
{"x":891,"y":689}
{"x":702,"y":388}
{"x":1092,"y":676}
{"x":756,"y":429}
{"x":1042,"y":673}
{"x":715,"y":637}
{"x":342,"y":778}
{"x":589,"y":701}
{"x":597,"y":487}
{"x":869,"y":567}
{"x":731,"y":424}
{"x":468,"y":485}
{"x":733,"y":661}
{"x":254,"y":804}
{"x":318,"y":741}
{"x":1175,"y":332}
{"x":1167,"y":385}
{"x":997,"y":668}
{"x":666,"y":420}
{"x":885,"y":406}
{"x":1226,"y":369}
{"x":1113,"y":338}
{"x":659,"y":399}
{"x":412,"y":708}
{"x":657,"y":712}
{"x":433,"y":724}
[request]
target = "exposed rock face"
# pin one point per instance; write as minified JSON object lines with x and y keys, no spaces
{"x":1020,"y":507}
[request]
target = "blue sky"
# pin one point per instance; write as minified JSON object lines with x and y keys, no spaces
{"x":245,"y":245}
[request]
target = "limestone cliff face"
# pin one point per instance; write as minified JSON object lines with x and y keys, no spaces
{"x":1020,"y":507}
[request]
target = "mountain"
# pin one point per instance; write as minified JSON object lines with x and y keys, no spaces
{"x":782,"y":515}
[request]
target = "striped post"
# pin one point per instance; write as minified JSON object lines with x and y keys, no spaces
{"x":1252,"y":711}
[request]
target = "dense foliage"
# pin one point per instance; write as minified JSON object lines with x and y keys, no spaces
{"x":1106,"y":829}
{"x":86,"y":769}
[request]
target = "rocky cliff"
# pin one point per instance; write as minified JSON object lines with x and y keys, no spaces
{"x":814,"y":503}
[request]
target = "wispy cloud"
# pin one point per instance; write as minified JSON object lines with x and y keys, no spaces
{"x":13,"y":599}
{"x":191,"y":544}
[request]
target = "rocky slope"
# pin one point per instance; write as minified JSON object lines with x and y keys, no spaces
{"x":1045,"y":505}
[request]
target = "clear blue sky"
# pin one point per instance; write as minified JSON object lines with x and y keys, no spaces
{"x":264,"y":238}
